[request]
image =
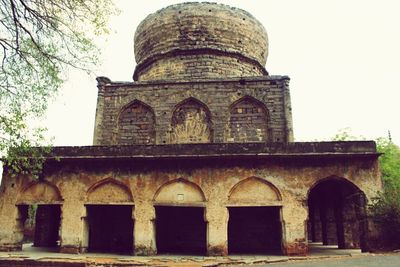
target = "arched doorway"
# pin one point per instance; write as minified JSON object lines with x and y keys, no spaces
{"x":254,"y":225}
{"x":39,"y":207}
{"x":337,"y":214}
{"x":109,"y":223}
{"x":180,"y":225}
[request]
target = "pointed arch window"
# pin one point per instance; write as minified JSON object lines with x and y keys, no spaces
{"x":136,"y":124}
{"x":248,"y":121}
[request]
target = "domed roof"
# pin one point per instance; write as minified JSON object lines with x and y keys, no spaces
{"x":193,"y":29}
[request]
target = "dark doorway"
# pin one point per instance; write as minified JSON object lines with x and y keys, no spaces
{"x":181,"y":230}
{"x":337,"y":214}
{"x":110,"y":228}
{"x":41,"y":224}
{"x":254,"y":230}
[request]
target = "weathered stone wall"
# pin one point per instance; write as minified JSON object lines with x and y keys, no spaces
{"x":199,"y":40}
{"x":199,"y":67}
{"x":268,"y":96}
{"x":212,"y":183}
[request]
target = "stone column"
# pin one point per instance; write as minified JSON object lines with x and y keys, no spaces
{"x":317,"y":225}
{"x":331,"y":231}
{"x":294,"y":221}
{"x":11,"y":218}
{"x":85,"y":233}
{"x":144,"y":229}
{"x":217,"y":230}
{"x":322,"y":215}
{"x":72,"y":226}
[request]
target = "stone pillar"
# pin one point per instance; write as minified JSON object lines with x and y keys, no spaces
{"x":144,"y":229}
{"x":331,"y":233}
{"x":294,"y":221}
{"x":339,"y":224}
{"x":217,"y":230}
{"x":72,"y":226}
{"x":317,"y":225}
{"x":350,"y":227}
{"x":322,"y":215}
{"x":11,"y":219}
{"x":85,"y":233}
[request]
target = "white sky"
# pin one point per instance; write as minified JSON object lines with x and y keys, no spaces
{"x":343,"y":58}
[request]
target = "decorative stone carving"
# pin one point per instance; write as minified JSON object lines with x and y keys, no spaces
{"x":191,"y":123}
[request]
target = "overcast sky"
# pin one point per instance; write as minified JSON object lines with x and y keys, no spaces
{"x":343,"y":58}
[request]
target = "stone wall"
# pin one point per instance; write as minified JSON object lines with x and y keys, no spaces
{"x":213,"y":183}
{"x":199,"y":40}
{"x":266,"y":98}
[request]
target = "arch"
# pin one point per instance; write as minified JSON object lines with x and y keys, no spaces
{"x":248,"y":120}
{"x":337,"y":213}
{"x":42,"y":192}
{"x":136,"y":124}
{"x":191,"y":122}
{"x":342,"y":180}
{"x":179,"y":191}
{"x":253,"y":190}
{"x":109,"y":191}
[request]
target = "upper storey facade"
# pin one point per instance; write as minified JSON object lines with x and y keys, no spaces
{"x":199,"y":78}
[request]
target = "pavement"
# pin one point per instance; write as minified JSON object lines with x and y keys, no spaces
{"x":317,"y":252}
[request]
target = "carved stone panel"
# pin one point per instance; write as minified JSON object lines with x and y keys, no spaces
{"x":191,"y":123}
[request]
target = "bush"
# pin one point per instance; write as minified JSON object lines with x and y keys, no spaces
{"x":385,"y":209}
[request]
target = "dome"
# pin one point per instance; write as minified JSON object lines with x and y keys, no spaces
{"x":199,"y":41}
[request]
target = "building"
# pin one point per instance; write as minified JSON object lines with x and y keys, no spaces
{"x":196,"y":156}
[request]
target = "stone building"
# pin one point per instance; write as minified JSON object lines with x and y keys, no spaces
{"x":196,"y":156}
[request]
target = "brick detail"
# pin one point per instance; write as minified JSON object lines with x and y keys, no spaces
{"x":136,"y":125}
{"x":248,"y":121}
{"x":218,"y":96}
{"x":195,"y":29}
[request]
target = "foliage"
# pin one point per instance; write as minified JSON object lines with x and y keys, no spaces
{"x":346,"y":135}
{"x":39,"y":41}
{"x":385,"y":209}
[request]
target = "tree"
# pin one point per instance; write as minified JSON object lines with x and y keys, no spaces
{"x":39,"y":40}
{"x":385,"y":209}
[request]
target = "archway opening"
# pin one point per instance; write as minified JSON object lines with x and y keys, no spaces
{"x":181,"y":230}
{"x":337,"y":214}
{"x":110,"y":228}
{"x":254,"y":230}
{"x":40,"y":224}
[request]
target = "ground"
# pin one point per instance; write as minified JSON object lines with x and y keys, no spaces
{"x":326,"y":255}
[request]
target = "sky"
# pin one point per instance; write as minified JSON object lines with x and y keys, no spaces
{"x":343,"y":58}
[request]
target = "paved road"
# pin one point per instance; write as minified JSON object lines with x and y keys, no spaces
{"x":392,"y":260}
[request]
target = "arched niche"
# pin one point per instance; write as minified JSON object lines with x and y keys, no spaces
{"x":179,"y":192}
{"x":254,"y":191}
{"x":248,"y":121}
{"x":40,"y":192}
{"x":191,"y":122}
{"x":109,"y":191}
{"x":136,"y":124}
